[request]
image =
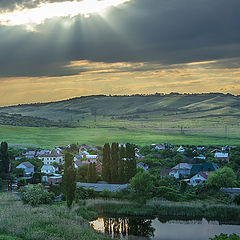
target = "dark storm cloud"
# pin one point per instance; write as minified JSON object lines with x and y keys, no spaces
{"x":158,"y":31}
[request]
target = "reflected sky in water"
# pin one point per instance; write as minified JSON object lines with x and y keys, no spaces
{"x":139,"y":228}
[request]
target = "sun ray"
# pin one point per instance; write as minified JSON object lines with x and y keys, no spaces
{"x":45,"y":11}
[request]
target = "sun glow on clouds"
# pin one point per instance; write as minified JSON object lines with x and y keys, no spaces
{"x":58,"y":9}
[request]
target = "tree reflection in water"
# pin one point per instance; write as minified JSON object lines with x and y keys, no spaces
{"x":120,"y":227}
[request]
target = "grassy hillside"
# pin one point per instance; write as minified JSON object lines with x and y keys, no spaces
{"x":173,"y":107}
{"x":29,"y":121}
{"x":205,"y":119}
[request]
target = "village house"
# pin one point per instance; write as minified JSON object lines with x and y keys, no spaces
{"x":181,"y":149}
{"x":200,"y":157}
{"x":98,"y":164}
{"x":52,"y":157}
{"x":48,"y":169}
{"x":29,"y":154}
{"x":183,"y":169}
{"x":221,"y":156}
{"x":52,"y":179}
{"x":160,"y":147}
{"x":199,"y":178}
{"x":27,"y":167}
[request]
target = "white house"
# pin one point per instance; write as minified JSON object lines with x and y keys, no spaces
{"x":221,"y":156}
{"x":48,"y":169}
{"x":183,"y":169}
{"x":27,"y":167}
{"x":52,"y":157}
{"x":174,"y":173}
{"x":181,"y":150}
{"x":199,"y":178}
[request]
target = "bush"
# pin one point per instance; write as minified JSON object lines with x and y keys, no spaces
{"x":36,"y":195}
{"x":226,"y":237}
{"x":237,"y":199}
{"x":105,"y":194}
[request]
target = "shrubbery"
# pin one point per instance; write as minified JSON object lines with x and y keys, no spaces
{"x":36,"y":195}
{"x":226,"y":237}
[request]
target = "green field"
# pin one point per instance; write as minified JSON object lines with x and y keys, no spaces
{"x":50,"y":137}
{"x":206,"y":119}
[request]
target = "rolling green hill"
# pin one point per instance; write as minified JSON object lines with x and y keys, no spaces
{"x":180,"y":119}
{"x":196,"y":106}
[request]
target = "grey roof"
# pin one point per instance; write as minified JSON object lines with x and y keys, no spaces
{"x":47,"y":167}
{"x":53,"y":154}
{"x":27,"y":164}
{"x":182,"y":166}
{"x":99,"y":187}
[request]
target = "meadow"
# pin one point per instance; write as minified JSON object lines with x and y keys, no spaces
{"x":200,"y":119}
{"x":98,"y":135}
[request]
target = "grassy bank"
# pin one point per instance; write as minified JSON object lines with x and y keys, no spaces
{"x":166,"y":209}
{"x":56,"y":222}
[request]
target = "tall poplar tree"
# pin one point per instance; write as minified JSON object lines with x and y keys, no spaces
{"x":130,"y":169}
{"x":121,"y":165}
{"x":4,"y":158}
{"x":106,"y":163}
{"x":69,"y":182}
{"x":114,"y":162}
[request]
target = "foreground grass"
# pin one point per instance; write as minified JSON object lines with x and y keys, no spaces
{"x":50,"y":137}
{"x":18,"y":221}
{"x":157,"y":208}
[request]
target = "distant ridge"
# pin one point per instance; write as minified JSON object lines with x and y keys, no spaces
{"x":139,"y":106}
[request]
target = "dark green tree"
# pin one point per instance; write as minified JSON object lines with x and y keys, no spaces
{"x":130,"y":166}
{"x":4,"y":158}
{"x":223,"y":177}
{"x":114,"y":162}
{"x":106,"y":163}
{"x":69,"y":184}
{"x":92,"y":173}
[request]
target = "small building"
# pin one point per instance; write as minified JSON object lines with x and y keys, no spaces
{"x":144,"y":166}
{"x":221,"y":156}
{"x":99,"y":187}
{"x":52,"y":157}
{"x":27,"y":167}
{"x":48,"y":169}
{"x":97,"y":163}
{"x":174,"y":173}
{"x":52,"y":179}
{"x":160,"y":147}
{"x":183,"y":169}
{"x":29,"y":154}
{"x":200,"y":157}
{"x":181,"y":149}
{"x":199,"y":178}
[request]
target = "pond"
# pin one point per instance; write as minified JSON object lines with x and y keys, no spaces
{"x":162,"y":229}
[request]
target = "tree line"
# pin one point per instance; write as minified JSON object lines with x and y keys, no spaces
{"x":119,"y":163}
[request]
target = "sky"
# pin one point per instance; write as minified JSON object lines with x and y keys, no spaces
{"x":57,"y":49}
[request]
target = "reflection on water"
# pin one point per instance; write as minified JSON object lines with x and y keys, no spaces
{"x":140,"y":228}
{"x":124,"y":227}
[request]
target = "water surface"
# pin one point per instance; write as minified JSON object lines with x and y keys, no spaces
{"x":143,"y":228}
